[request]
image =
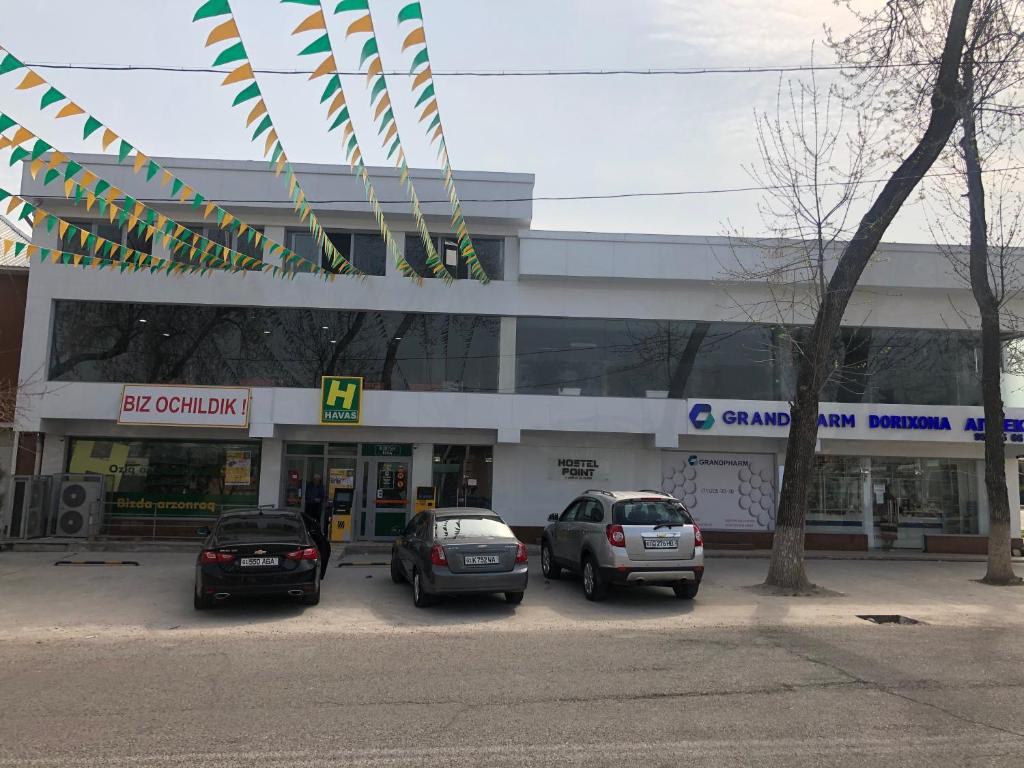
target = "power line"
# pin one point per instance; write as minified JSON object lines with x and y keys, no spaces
{"x":609,"y":196}
{"x":584,"y":72}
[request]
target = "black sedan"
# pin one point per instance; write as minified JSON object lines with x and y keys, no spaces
{"x":257,"y":552}
{"x":459,"y":551}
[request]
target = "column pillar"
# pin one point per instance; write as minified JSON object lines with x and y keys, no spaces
{"x":271,"y":456}
{"x":867,"y":501}
{"x":507,"y":356}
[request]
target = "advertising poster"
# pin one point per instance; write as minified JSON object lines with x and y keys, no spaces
{"x":237,"y":468}
{"x":723,"y":491}
{"x":340,"y":477}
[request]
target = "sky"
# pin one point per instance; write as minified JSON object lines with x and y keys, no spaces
{"x":578,"y":135}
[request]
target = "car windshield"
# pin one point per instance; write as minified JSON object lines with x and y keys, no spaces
{"x":261,"y":528}
{"x":650,"y":512}
{"x":455,"y":528}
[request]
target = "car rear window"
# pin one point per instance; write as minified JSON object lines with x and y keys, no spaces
{"x":650,"y":512}
{"x":454,"y":528}
{"x":261,"y":528}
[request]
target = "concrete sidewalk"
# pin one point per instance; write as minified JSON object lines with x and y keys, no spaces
{"x":43,"y":601}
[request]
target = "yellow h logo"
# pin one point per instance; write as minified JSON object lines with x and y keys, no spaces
{"x":346,"y":394}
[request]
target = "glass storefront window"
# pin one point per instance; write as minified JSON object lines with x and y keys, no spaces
{"x":156,"y":478}
{"x":835,"y":495}
{"x":267,"y":346}
{"x":462,"y":475}
{"x":915,"y":497}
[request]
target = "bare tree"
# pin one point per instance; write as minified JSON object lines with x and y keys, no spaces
{"x":883,"y":40}
{"x":991,"y":73}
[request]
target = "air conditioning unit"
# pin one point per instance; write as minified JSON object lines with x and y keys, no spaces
{"x":27,"y":513}
{"x":79,"y":505}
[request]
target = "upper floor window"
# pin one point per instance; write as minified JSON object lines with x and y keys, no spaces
{"x":130,"y":238}
{"x":366,"y":251}
{"x":489,"y":250}
{"x":241,"y":243}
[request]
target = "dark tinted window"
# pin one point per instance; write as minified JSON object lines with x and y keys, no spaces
{"x":650,"y":512}
{"x":570,"y":512}
{"x":489,"y":250}
{"x":591,"y":511}
{"x":451,"y":529}
{"x":261,"y":528}
{"x":267,"y":346}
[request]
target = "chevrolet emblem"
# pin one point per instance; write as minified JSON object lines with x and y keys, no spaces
{"x":260,"y":552}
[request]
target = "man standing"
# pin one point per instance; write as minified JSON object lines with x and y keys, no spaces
{"x":312,"y":514}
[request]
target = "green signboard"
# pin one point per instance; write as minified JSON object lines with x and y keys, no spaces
{"x":386,"y":449}
{"x":341,"y":399}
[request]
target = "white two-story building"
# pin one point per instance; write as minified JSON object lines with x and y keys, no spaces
{"x":590,"y":361}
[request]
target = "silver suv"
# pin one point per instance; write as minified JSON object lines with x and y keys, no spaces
{"x":625,"y":537}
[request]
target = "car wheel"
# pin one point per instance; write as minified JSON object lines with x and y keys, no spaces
{"x":396,"y":570}
{"x":594,"y":587}
{"x":686,"y":590}
{"x":514,"y":597}
{"x":313,"y":598}
{"x":548,"y":566}
{"x":419,"y":598}
{"x":199,"y":601}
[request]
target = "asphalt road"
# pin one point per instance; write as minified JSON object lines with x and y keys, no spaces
{"x":643,"y":680}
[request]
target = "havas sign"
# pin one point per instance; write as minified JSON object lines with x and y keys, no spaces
{"x":341,"y":399}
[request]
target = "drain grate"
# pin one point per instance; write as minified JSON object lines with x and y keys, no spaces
{"x":888,"y":618}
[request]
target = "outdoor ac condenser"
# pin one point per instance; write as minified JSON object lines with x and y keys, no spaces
{"x":79,"y":505}
{"x":27,"y":511}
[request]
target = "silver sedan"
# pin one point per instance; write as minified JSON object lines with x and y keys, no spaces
{"x":459,"y":551}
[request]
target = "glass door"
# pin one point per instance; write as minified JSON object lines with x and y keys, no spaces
{"x":385,"y":499}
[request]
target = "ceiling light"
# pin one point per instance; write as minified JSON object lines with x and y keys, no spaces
{"x":398,"y":338}
{"x":143,"y":320}
{"x":324,"y":328}
{"x":266,"y":333}
{"x":333,"y":341}
{"x":167,"y":335}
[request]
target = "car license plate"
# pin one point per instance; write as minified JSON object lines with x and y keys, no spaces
{"x":661,"y":543}
{"x":481,"y":560}
{"x":256,"y":561}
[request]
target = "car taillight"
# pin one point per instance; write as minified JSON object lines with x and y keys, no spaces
{"x":616,"y":536}
{"x":521,"y":556}
{"x":309,"y":553}
{"x":437,"y":555}
{"x":210,"y":557}
{"x":698,"y":537}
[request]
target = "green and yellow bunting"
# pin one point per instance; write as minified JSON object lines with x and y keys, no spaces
{"x":209,"y":209}
{"x":387,"y":125}
{"x":423,"y":85}
{"x":92,"y":189}
{"x":338,"y":113}
{"x":242,"y":74}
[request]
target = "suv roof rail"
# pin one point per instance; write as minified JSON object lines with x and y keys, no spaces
{"x":599,"y":490}
{"x":660,"y":493}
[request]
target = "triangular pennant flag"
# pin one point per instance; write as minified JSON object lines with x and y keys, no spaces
{"x":31,"y":80}
{"x":224,"y":31}
{"x":239,"y":75}
{"x":70,"y":109}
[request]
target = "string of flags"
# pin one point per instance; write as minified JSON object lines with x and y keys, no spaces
{"x":423,"y":84}
{"x":236,"y":55}
{"x":94,"y":189}
{"x":316,"y":22}
{"x":191,"y":252}
{"x":140,"y":162}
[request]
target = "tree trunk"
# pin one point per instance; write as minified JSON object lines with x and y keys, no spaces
{"x":1000,"y":566}
{"x":785,"y":572}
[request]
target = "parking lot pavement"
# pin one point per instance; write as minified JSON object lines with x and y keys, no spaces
{"x":110,"y":665}
{"x":42,"y":600}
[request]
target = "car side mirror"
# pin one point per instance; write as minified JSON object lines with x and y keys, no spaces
{"x":553,"y":517}
{"x":204,"y":531}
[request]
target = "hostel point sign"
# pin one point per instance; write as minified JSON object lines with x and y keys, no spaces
{"x":341,"y":399}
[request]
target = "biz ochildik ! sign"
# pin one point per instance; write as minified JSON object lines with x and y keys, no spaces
{"x":184,"y":406}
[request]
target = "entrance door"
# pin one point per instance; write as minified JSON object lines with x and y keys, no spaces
{"x":385,"y":497}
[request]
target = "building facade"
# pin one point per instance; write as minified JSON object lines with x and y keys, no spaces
{"x":13,"y":294}
{"x":590,"y":360}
